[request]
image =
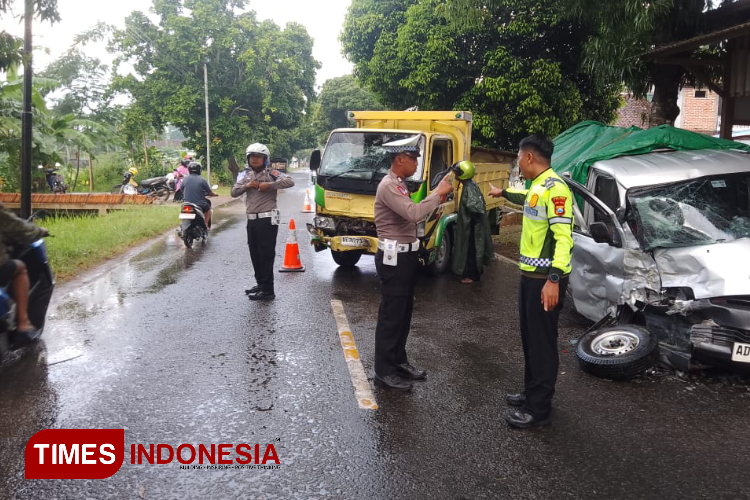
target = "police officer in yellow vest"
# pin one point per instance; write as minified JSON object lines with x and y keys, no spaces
{"x":546,"y":245}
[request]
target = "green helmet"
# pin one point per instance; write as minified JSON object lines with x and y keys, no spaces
{"x":464,"y":170}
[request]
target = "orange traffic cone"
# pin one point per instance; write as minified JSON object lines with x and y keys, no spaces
{"x":306,"y":206}
{"x":292,"y":262}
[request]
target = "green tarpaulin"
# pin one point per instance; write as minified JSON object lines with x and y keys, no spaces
{"x":584,"y":144}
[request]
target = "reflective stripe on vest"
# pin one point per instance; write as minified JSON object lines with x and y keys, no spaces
{"x":536,"y":261}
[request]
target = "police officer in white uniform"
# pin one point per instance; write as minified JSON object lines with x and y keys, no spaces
{"x":396,"y":218}
{"x":260,"y":185}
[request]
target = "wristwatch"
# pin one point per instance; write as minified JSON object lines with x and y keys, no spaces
{"x":553,"y":277}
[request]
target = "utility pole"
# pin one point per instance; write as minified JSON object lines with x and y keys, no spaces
{"x":208,"y":137}
{"x":26,"y":115}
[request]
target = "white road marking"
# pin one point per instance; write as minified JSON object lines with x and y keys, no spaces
{"x":506,"y":259}
{"x":362,"y":390}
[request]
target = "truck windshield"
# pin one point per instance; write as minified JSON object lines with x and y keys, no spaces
{"x":698,"y":212}
{"x":360,"y":155}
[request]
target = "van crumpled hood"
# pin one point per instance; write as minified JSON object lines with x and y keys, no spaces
{"x":718,"y":270}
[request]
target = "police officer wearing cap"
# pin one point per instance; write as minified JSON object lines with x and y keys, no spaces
{"x":396,"y":218}
{"x":546,"y":246}
{"x":260,"y":185}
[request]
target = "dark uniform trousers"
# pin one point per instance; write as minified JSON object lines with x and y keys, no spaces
{"x":539,"y":338}
{"x":394,"y":314}
{"x":261,"y":239}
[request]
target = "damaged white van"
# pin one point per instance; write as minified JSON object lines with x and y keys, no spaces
{"x":662,"y":253}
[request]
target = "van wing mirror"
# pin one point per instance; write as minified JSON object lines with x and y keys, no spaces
{"x":601,"y":233}
{"x":620,"y":213}
{"x":315,"y":160}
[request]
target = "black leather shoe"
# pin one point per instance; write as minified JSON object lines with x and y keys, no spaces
{"x":254,"y":289}
{"x":516,"y":399}
{"x":412,"y":373}
{"x":519,"y":419}
{"x":392,"y":382}
{"x":261,"y":295}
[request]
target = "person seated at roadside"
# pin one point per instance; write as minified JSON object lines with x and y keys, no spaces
{"x":13,"y":231}
{"x":195,"y":189}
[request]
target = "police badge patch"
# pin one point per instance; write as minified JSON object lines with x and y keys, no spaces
{"x":559,"y":202}
{"x":402,"y":190}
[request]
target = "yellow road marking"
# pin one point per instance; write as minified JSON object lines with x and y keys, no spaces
{"x":362,"y":391}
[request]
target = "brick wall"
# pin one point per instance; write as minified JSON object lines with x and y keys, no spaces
{"x":699,"y":114}
{"x":634,"y":112}
{"x":696,"y":114}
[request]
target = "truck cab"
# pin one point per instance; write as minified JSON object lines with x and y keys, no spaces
{"x":355,"y":161}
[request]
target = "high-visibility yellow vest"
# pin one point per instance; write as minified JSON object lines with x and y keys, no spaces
{"x":547,"y":237}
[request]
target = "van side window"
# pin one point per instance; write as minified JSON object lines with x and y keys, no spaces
{"x":441,"y":158}
{"x":605,"y":190}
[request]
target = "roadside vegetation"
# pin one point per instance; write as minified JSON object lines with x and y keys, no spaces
{"x":81,"y":242}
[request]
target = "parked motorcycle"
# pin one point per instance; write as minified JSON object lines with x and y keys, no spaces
{"x":41,"y":281}
{"x":55,"y":181}
{"x":156,"y":187}
{"x":192,"y":224}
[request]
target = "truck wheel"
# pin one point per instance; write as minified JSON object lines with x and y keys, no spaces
{"x":617,"y":352}
{"x":443,"y":259}
{"x":346,"y":259}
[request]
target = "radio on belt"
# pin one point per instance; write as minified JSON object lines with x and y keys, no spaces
{"x":390,"y":253}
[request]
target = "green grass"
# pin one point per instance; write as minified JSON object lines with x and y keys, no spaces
{"x":223,"y":190}
{"x":81,"y":242}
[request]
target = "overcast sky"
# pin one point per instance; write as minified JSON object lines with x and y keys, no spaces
{"x":323,"y":21}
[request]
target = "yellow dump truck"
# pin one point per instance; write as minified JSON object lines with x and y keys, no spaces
{"x":354,"y":162}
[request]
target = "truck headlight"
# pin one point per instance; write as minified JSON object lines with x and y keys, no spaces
{"x":324,"y":223}
{"x":420,"y":230}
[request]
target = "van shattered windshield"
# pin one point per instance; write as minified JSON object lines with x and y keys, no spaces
{"x":698,"y":212}
{"x":361,"y":155}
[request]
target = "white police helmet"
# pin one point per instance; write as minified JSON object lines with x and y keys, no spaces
{"x":258,"y":149}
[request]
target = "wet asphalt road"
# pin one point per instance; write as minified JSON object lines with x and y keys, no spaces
{"x":163,"y":343}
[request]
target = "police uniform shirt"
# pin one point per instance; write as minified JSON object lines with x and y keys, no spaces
{"x":257,"y":201}
{"x":396,"y":215}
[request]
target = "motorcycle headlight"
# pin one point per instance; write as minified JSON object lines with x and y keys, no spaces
{"x":325,"y":223}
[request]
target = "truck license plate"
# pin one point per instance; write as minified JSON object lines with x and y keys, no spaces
{"x":349,"y":241}
{"x":187,"y":216}
{"x":741,"y":352}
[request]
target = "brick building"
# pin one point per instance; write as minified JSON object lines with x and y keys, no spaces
{"x":699,"y":111}
{"x":633,"y":113}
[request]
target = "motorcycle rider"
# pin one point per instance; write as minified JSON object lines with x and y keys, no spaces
{"x":195,"y":189}
{"x":180,"y":174}
{"x":13,"y":229}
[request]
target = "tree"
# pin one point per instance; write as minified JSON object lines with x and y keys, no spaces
{"x":515,"y":65}
{"x":260,"y":77}
{"x":619,"y":33}
{"x":626,"y":30}
{"x":336,"y":97}
{"x":10,"y":46}
{"x":49,"y":131}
